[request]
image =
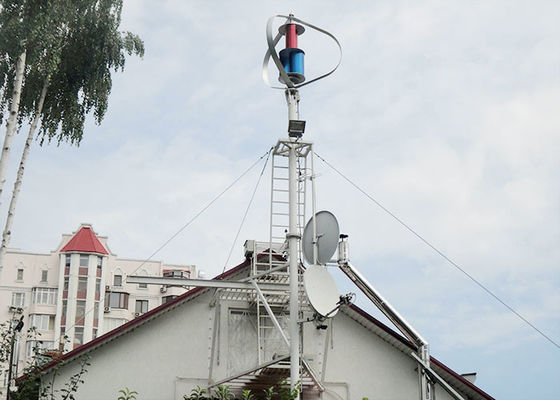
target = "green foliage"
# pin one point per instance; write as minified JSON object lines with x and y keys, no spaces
{"x":280,"y":391}
{"x":5,"y":342}
{"x":127,"y":394}
{"x":72,"y":46}
{"x":196,"y":394}
{"x":30,"y":385}
{"x":82,"y":83}
{"x":223,"y":393}
{"x":7,"y":337}
{"x":286,"y":393}
{"x":247,"y":395}
{"x":269,"y":393}
{"x":71,"y":387}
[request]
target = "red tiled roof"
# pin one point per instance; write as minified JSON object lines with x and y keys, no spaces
{"x":85,"y":241}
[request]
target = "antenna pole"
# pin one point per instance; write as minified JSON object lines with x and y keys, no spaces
{"x":290,"y":64}
{"x":292,"y":98}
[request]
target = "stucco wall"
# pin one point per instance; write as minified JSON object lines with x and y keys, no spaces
{"x":149,"y":359}
{"x":167,"y":357}
{"x":361,"y":364}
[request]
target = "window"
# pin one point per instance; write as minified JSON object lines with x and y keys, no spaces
{"x":18,"y":299}
{"x":242,"y":338}
{"x":97,"y":285}
{"x":84,"y":260}
{"x":42,"y":322}
{"x":99,"y":262}
{"x":33,"y":347}
{"x":80,"y":311}
{"x":111,"y":323}
{"x":96,"y":310}
{"x":116,"y":300}
{"x":117,"y":280}
{"x":166,"y":299}
{"x":66,"y":280}
{"x":142,"y":286}
{"x":78,"y":335}
{"x":30,"y":348}
{"x":64,"y":308}
{"x":176,"y":274}
{"x":67,"y":261}
{"x":19,"y":274}
{"x":44,"y":296}
{"x":94,"y":333}
{"x":141,"y":306}
{"x":82,"y":287}
{"x":44,"y":275}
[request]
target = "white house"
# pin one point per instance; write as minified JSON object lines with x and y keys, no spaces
{"x":218,"y":336}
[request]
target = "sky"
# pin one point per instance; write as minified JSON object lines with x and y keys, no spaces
{"x":444,"y":112}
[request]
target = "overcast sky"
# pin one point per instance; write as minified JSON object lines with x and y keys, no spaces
{"x":445,"y":112}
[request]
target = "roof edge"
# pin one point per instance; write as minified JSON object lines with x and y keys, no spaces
{"x":408,"y":343}
{"x":112,"y":334}
{"x":460,"y":378}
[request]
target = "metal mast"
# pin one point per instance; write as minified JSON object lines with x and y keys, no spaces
{"x":269,"y":285}
{"x":293,"y":237}
{"x":290,"y":64}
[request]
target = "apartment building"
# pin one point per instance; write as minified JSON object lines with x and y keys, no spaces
{"x":76,"y":293}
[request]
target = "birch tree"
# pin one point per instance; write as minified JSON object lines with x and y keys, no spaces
{"x":70,"y":76}
{"x":14,"y":20}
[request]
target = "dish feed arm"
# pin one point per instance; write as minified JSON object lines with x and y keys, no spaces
{"x":384,"y":306}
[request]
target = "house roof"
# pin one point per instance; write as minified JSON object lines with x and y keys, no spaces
{"x":84,"y":241}
{"x":403,"y":344}
{"x":136,"y":322}
{"x":353,"y":311}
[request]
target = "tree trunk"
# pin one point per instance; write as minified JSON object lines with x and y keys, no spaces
{"x":17,"y":185}
{"x":12,"y":119}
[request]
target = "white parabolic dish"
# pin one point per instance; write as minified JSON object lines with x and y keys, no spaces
{"x":327,"y":237}
{"x":321,"y":290}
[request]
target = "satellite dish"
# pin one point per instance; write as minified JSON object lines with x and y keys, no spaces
{"x":327,"y":237}
{"x":321,"y":290}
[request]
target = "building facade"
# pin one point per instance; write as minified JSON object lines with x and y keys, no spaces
{"x":76,"y":293}
{"x":209,"y":337}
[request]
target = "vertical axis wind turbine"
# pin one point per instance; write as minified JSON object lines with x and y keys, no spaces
{"x":290,"y":65}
